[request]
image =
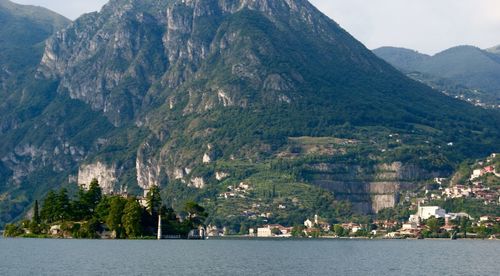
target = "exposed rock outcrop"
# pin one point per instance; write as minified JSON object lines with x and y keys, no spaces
{"x":162,"y":44}
{"x":148,"y":168}
{"x":197,"y":182}
{"x":371,"y":189}
{"x":221,"y":175}
{"x":105,"y":175}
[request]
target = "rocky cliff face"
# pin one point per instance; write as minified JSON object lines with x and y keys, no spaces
{"x":371,"y":189}
{"x":149,"y":169}
{"x":105,"y":175}
{"x":121,"y":60}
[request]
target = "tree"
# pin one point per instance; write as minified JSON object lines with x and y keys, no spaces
{"x":35,"y":223}
{"x":102,"y":209}
{"x":464,"y":223}
{"x":48,"y":212}
{"x":114,"y":219}
{"x":433,"y":224}
{"x":196,"y":213}
{"x":36,"y":214}
{"x":93,"y":195}
{"x":170,"y":224}
{"x":339,"y":230}
{"x":276,"y":231}
{"x":154,"y":201}
{"x":87,"y":202}
{"x":88,"y":230}
{"x":131,"y":219}
{"x":62,"y":206}
{"x":243,"y":229}
{"x":482,"y":232}
{"x":298,"y":231}
{"x":13,"y":230}
{"x":80,"y":210}
{"x":362,"y":233}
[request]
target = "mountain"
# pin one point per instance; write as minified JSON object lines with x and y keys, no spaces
{"x":23,"y":30}
{"x":33,"y":116}
{"x":467,"y":66}
{"x":401,"y":58}
{"x":243,"y":106}
{"x":494,"y":50}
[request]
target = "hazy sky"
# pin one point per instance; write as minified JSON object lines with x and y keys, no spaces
{"x":428,"y":26}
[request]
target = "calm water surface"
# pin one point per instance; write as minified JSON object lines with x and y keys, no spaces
{"x":249,"y":257}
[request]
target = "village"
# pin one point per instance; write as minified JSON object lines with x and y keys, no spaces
{"x":428,"y":221}
{"x":482,"y":184}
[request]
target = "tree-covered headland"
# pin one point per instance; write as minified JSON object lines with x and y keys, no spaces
{"x":90,"y":215}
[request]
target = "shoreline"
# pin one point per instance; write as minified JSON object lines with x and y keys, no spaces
{"x":251,"y":239}
{"x":247,"y":238}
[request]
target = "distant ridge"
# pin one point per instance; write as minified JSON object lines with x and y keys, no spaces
{"x":471,"y":67}
{"x":23,"y":30}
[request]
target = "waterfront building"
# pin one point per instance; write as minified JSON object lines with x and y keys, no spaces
{"x":426,"y":212}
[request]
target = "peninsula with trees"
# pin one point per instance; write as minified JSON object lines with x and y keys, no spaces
{"x":90,"y":214}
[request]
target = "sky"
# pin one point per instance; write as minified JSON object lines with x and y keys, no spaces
{"x":428,"y":26}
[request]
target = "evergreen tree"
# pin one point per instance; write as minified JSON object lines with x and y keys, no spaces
{"x":114,"y":219}
{"x":102,"y":209}
{"x":48,"y":212}
{"x":131,"y":219}
{"x":170,"y":224}
{"x":63,"y":206}
{"x":80,"y":211}
{"x":36,"y":221}
{"x":87,"y":202}
{"x":36,"y":214}
{"x":196,"y":213}
{"x":154,"y":201}
{"x":94,"y":195}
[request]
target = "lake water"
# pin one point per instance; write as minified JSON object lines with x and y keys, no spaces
{"x":249,"y":257}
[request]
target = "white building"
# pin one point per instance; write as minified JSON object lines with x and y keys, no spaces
{"x":409,"y":226}
{"x":476,"y":174}
{"x":264,"y":232}
{"x":414,"y":219}
{"x":484,"y":218}
{"x":426,"y":212}
{"x":267,"y":231}
{"x":308,"y":223}
{"x":355,"y":229}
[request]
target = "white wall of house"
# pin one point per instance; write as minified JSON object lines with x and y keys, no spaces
{"x":264,"y":232}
